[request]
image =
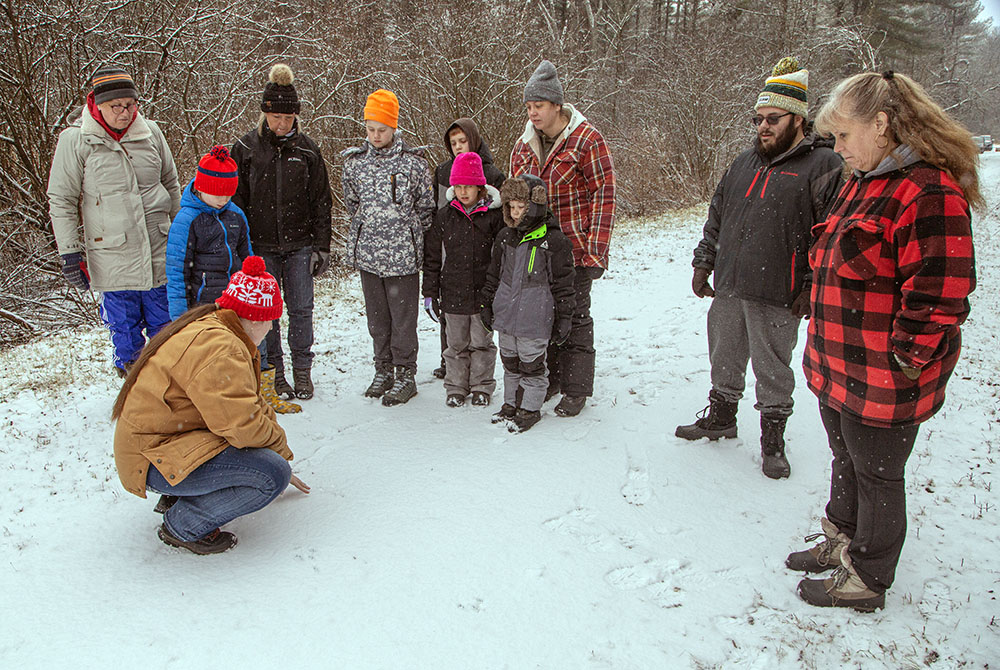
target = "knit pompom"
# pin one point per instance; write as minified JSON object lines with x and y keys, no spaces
{"x":254,"y":266}
{"x":281,"y":75}
{"x":786,"y":65}
{"x":219,"y":152}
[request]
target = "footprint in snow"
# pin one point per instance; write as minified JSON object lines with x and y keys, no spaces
{"x":935,"y":603}
{"x":660,"y":580}
{"x":636,"y":489}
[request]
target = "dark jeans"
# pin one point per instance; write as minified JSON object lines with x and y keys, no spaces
{"x":392,"y":305}
{"x":571,"y":365}
{"x":293,"y":272}
{"x":867,"y":493}
{"x":234,"y":483}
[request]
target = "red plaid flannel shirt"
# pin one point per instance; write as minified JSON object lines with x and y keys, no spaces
{"x":892,"y":267}
{"x":580,"y":178}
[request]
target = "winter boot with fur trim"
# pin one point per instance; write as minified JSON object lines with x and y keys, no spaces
{"x":303,"y":383}
{"x":381,"y":383}
{"x":715,"y":421}
{"x":215,"y":542}
{"x":772,"y":447}
{"x":843,"y":588}
{"x":404,"y":388}
{"x":825,"y":555}
{"x":277,"y":403}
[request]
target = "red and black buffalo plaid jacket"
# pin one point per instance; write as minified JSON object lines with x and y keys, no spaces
{"x":892,"y":270}
{"x":580,"y":179}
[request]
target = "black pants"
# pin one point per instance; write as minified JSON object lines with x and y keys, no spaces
{"x":571,"y":365}
{"x":391,"y":305}
{"x":867,"y":493}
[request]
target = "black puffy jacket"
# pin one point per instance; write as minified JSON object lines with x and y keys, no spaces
{"x":284,"y":191}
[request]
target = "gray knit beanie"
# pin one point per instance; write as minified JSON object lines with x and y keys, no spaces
{"x":544,"y":84}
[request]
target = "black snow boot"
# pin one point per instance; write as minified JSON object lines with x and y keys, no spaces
{"x":715,"y":421}
{"x":404,"y":388}
{"x":281,"y":386}
{"x":506,"y":412}
{"x":303,"y":383}
{"x":523,"y":420}
{"x":772,"y":447}
{"x":381,"y":383}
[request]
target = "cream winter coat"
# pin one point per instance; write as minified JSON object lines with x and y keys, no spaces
{"x":124,"y":194}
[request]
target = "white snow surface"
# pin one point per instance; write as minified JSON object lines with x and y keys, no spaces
{"x":433,"y":539}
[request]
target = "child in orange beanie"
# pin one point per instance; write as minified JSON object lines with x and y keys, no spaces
{"x":390,"y":199}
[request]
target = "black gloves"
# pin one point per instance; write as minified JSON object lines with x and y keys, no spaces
{"x":487,"y":317}
{"x":800,"y":306}
{"x":699,"y":284}
{"x":595,"y":273}
{"x":320,"y":262}
{"x":75,"y":271}
{"x":560,"y":331}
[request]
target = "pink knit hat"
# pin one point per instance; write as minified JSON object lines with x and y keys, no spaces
{"x":252,"y":293}
{"x":467,"y":170}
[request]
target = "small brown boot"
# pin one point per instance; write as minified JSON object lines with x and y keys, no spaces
{"x":825,"y":555}
{"x":303,"y":383}
{"x":215,"y":542}
{"x":844,"y":588}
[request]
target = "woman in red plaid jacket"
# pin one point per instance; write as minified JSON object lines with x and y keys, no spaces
{"x":892,"y":270}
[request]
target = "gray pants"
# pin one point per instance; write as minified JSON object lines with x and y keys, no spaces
{"x":525,"y":377}
{"x":470,"y":357}
{"x":766,"y":335}
{"x":391,"y":305}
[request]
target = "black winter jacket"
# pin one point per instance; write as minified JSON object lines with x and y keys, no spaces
{"x":529,"y":284}
{"x":457,"y":251}
{"x":284,"y":191}
{"x":758,"y":232}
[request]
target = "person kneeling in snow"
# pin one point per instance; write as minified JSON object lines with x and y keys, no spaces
{"x":192,"y":424}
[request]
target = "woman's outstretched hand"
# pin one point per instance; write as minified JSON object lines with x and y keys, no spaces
{"x":299,"y":484}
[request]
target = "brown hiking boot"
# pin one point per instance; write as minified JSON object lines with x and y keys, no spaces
{"x":843,"y":588}
{"x":381,"y":383}
{"x":164,"y":503}
{"x":715,"y":421}
{"x":267,"y":392}
{"x":215,"y":542}
{"x":825,"y":555}
{"x":404,"y":388}
{"x":281,"y":385}
{"x":303,"y":383}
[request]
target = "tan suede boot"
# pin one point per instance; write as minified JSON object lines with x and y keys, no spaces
{"x":825,"y":555}
{"x":844,"y":588}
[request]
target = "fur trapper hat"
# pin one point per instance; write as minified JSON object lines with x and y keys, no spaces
{"x":526,"y":188}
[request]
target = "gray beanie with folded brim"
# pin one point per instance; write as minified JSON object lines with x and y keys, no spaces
{"x":544,"y":84}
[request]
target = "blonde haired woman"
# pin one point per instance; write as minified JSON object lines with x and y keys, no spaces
{"x":892,"y":270}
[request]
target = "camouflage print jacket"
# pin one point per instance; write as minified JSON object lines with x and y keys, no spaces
{"x":390,"y":199}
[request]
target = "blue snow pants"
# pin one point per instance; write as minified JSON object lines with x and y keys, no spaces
{"x":127,"y":314}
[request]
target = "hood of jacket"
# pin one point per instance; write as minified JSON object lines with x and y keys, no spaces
{"x":471,"y":130}
{"x":809,"y":142}
{"x":490,"y":191}
{"x":191,"y":200}
{"x":94,"y":131}
{"x":899,"y":158}
{"x":530,"y":223}
{"x":530,"y":135}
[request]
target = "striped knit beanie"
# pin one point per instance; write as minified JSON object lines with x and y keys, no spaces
{"x":216,"y":174}
{"x":110,"y":83}
{"x":786,"y":88}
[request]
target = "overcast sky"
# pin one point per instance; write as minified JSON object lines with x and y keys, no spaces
{"x":991,"y":8}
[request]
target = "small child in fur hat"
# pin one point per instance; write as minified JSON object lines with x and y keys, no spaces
{"x":456,"y":254}
{"x":528,"y":297}
{"x":209,"y":238}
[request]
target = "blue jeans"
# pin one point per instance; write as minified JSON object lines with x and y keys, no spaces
{"x":127,"y":314}
{"x":234,"y":483}
{"x":293,"y":270}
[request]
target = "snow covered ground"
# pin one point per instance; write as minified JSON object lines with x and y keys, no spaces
{"x":433,"y":539}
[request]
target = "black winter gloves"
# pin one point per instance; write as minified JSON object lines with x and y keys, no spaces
{"x":487,"y":317}
{"x":594,"y":273}
{"x":320,"y":262}
{"x":75,"y":271}
{"x":700,"y":285}
{"x":800,"y":306}
{"x":560,"y":331}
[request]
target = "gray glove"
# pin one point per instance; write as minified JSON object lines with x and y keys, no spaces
{"x":320,"y":262}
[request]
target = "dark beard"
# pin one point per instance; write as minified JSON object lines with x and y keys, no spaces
{"x":782,"y":143}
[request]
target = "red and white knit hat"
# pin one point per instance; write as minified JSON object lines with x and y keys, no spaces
{"x":216,"y":173}
{"x":252,"y":293}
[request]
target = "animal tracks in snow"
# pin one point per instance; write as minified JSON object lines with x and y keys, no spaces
{"x":581,"y":525}
{"x":660,"y":580}
{"x":636,"y":489}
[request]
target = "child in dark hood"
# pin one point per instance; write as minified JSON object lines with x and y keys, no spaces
{"x":528,"y":297}
{"x":456,"y":255}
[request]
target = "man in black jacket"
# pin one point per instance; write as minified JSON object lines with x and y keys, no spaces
{"x":285,"y":192}
{"x":757,"y":241}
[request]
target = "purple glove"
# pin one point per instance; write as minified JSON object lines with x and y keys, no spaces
{"x":433,"y":309}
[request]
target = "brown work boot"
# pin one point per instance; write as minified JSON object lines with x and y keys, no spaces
{"x":303,"y":383}
{"x":281,"y":385}
{"x":164,"y":503}
{"x":215,"y":542}
{"x":825,"y":555}
{"x":843,"y":588}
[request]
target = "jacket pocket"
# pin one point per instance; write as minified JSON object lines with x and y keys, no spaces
{"x":858,"y":249}
{"x":563,"y":168}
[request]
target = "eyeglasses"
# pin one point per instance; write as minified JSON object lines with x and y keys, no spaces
{"x":772,"y":119}
{"x":118,"y":109}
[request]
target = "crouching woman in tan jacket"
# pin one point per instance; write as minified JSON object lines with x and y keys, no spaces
{"x":192,"y":425}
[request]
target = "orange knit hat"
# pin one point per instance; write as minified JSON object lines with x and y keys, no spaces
{"x":382,"y":106}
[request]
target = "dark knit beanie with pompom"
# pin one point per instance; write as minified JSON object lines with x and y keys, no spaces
{"x":279,"y":94}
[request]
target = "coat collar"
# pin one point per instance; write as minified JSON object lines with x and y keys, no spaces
{"x":530,"y":136}
{"x":93,"y":131}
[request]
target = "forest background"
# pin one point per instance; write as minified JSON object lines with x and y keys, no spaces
{"x":670,"y":84}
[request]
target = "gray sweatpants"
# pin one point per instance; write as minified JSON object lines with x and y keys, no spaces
{"x":766,"y":335}
{"x":391,"y":305}
{"x":524,"y":369}
{"x":471,"y":356}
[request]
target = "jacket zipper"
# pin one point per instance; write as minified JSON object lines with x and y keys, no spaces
{"x":531,"y":259}
{"x":755,"y":176}
{"x":277,"y":198}
{"x":225,"y":237}
{"x":763,"y":188}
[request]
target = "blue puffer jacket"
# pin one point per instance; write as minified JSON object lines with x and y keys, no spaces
{"x":204,"y":248}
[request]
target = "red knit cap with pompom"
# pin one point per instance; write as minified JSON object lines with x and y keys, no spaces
{"x":217,"y":174}
{"x":253,"y":293}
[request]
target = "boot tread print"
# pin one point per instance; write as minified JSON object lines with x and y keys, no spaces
{"x":277,"y":403}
